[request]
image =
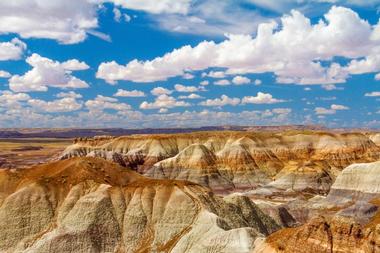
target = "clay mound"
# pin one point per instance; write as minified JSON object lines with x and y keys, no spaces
{"x":195,"y":163}
{"x":304,"y":176}
{"x":357,"y":182}
{"x":363,"y":177}
{"x":195,"y":156}
{"x":91,"y":205}
{"x":375,"y":138}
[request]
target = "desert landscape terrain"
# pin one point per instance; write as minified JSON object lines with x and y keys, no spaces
{"x":210,"y":191}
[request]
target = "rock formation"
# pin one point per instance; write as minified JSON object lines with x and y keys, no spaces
{"x":348,"y":220}
{"x":238,"y":161}
{"x":91,"y":205}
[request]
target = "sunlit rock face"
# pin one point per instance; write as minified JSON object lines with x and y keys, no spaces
{"x":91,"y":205}
{"x":238,"y":161}
{"x":348,"y":219}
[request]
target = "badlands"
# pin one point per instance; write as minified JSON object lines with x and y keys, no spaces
{"x":220,"y":191}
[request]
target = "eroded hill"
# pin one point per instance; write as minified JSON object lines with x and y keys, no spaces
{"x":237,"y":161}
{"x":92,"y":205}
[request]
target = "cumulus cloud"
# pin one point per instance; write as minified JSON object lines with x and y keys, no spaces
{"x":48,"y":73}
{"x":293,"y":51}
{"x":66,"y":104}
{"x":8,"y":99}
{"x":74,"y":65}
{"x":215,"y":74}
{"x":261,"y":98}
{"x":191,"y":96}
{"x":101,"y":103}
{"x":127,"y":93}
{"x":160,"y":91}
{"x":222,"y":82}
{"x":239,"y":80}
{"x":183,"y":88}
{"x":12,"y":50}
{"x":222,"y":101}
{"x":329,"y":111}
{"x":163,"y":101}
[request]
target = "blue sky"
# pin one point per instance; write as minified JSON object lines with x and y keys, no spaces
{"x":186,"y":63}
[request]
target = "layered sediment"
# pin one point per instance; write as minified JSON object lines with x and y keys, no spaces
{"x":92,"y":205}
{"x":348,"y":220}
{"x":237,"y":161}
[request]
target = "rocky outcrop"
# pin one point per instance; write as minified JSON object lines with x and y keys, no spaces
{"x":337,"y":235}
{"x":236,"y":161}
{"x":91,"y":205}
{"x":347,"y":220}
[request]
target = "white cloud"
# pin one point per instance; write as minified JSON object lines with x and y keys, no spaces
{"x":127,"y":18}
{"x":116,"y":14}
{"x":188,"y":76}
{"x":324,"y":111}
{"x":212,"y":18}
{"x":204,"y":83}
{"x":74,"y":65}
{"x":126,"y":93}
{"x":215,"y":74}
{"x":222,"y":82}
{"x":222,"y":101}
{"x":156,"y":7}
{"x":9,"y":99}
{"x":282,"y":110}
{"x":65,"y":21}
{"x":4,"y":74}
{"x":48,"y":73}
{"x":191,"y":96}
{"x":373,"y":94}
{"x":293,"y":51}
{"x":239,"y":80}
{"x":163,"y":101}
{"x":101,"y":103}
{"x":377,"y":76}
{"x":285,"y":5}
{"x":66,"y":104}
{"x":330,"y":87}
{"x":261,"y":98}
{"x":163,"y":110}
{"x":70,"y":94}
{"x":12,"y":50}
{"x":339,"y":107}
{"x":160,"y":91}
{"x":329,"y":111}
{"x":258,"y":82}
{"x":183,"y":88}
